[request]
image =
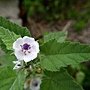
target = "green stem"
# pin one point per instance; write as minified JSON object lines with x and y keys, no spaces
{"x":33,"y":73}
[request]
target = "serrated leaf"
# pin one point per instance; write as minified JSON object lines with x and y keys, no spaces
{"x":56,"y":55}
{"x":23,"y":31}
{"x":8,"y":37}
{"x":59,"y":81}
{"x":3,"y":47}
{"x":59,"y":36}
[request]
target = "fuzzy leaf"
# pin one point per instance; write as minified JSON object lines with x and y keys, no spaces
{"x":6,"y":60}
{"x":59,"y":81}
{"x":8,"y":37}
{"x":55,"y":55}
{"x":59,"y":36}
{"x":9,"y":80}
{"x":7,"y":77}
{"x":2,"y":46}
{"x":23,"y":31}
{"x":18,"y":83}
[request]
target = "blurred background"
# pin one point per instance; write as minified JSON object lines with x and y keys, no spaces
{"x":41,"y":16}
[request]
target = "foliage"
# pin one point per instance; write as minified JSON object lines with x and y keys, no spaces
{"x":7,"y":77}
{"x":10,"y":80}
{"x":18,"y":82}
{"x":55,"y":55}
{"x":8,"y":37}
{"x":59,"y":36}
{"x":59,"y":81}
{"x":3,"y":46}
{"x":13,"y":27}
{"x":63,"y":54}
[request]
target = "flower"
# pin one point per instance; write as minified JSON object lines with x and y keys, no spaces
{"x":19,"y":65}
{"x":35,"y":83}
{"x":26,"y":48}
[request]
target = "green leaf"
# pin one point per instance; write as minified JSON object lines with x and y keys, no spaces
{"x":10,"y":81}
{"x":23,"y":31}
{"x":6,"y":60}
{"x":2,"y":46}
{"x":18,"y":83}
{"x":55,"y":55}
{"x":59,"y":81}
{"x":59,"y":36}
{"x":8,"y":37}
{"x":7,"y":77}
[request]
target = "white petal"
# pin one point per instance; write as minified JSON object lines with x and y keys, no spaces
{"x":14,"y":62}
{"x":35,"y":47}
{"x":19,"y":54}
{"x":17,"y":43}
{"x":30,"y":56}
{"x":16,"y":67}
{"x":17,"y":62}
{"x":28,"y":40}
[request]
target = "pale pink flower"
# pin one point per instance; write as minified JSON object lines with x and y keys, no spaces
{"x":26,"y":48}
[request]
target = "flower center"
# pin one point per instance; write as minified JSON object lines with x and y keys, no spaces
{"x":26,"y":46}
{"x":35,"y":84}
